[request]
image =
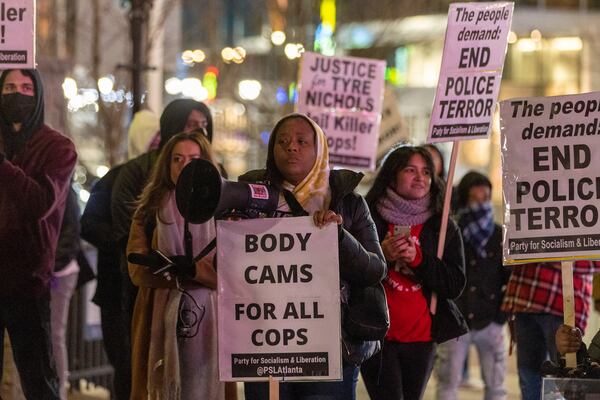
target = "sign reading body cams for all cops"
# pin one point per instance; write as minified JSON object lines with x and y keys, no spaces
{"x":474,"y":50}
{"x":17,"y":34}
{"x":344,"y":96}
{"x":279,"y":301}
{"x":551,"y":177}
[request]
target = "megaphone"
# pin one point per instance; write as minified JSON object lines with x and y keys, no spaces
{"x":201,"y":193}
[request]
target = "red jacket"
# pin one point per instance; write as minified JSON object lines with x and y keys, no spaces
{"x":33,"y":192}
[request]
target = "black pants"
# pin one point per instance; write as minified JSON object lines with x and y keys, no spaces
{"x":116,"y":346}
{"x":28,"y":324}
{"x":399,"y":371}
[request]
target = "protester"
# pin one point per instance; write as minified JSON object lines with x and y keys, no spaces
{"x":480,"y":302}
{"x":298,"y":162}
{"x":568,"y":339}
{"x":438,"y":160}
{"x":535,"y":302}
{"x":181,"y":115}
{"x":64,"y":282}
{"x":142,"y":131}
{"x":36,"y":164}
{"x":406,"y":194}
{"x":96,"y":228}
{"x":173,"y":356}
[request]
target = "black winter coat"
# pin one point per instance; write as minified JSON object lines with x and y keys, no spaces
{"x":361,"y":260}
{"x":486,"y":282}
{"x":127,"y":188}
{"x":68,"y":239}
{"x":97,"y":228}
{"x":445,"y":277}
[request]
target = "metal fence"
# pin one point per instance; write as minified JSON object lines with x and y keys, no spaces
{"x":87,"y":359}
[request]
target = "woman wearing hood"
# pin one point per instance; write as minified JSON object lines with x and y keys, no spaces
{"x":298,"y":161}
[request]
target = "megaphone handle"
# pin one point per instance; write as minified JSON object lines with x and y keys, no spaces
{"x":187,"y":240}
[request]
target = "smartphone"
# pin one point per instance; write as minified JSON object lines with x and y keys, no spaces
{"x":402,"y":230}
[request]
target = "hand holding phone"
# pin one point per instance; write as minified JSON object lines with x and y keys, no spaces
{"x":402,"y":230}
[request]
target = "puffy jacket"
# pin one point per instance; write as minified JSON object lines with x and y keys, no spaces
{"x":445,"y":277}
{"x":360,"y":256}
{"x":361,"y":259}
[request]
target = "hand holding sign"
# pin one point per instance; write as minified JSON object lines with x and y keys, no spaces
{"x":324,"y":217}
{"x":278,"y":291}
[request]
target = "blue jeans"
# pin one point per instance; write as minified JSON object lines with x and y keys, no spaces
{"x":61,"y":291}
{"x":535,"y":344}
{"x":28,"y":324}
{"x":451,"y":355}
{"x":342,"y":390}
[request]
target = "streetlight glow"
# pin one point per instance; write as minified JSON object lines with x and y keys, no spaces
{"x":293,"y":50}
{"x":101,"y":170}
{"x":105,"y":85}
{"x":69,"y":87}
{"x":173,"y":85}
{"x":249,"y":89}
{"x":278,"y":38}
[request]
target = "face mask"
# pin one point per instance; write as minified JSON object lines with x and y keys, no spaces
{"x":17,"y":107}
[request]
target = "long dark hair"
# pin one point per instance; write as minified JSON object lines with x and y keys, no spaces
{"x":397,"y":159}
{"x":154,"y":194}
{"x":433,"y":148}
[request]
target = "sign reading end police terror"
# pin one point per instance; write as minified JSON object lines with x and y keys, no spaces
{"x":474,"y":51}
{"x":278,"y":297}
{"x":551,"y":177}
{"x":17,"y":34}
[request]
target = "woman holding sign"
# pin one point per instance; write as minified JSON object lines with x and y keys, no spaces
{"x":406,"y":202}
{"x":298,"y":163}
{"x":174,"y":330}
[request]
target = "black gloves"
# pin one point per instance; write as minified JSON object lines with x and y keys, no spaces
{"x":183,"y":267}
{"x":2,"y":157}
{"x":180,"y":266}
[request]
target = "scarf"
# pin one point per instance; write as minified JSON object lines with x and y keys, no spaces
{"x":399,"y":211}
{"x":164,"y":374}
{"x":313,"y":193}
{"x":477,"y":225}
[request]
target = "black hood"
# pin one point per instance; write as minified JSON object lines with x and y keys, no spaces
{"x":14,"y":140}
{"x":174,"y":118}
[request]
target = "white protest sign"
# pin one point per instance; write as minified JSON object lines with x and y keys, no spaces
{"x":551,"y":178}
{"x":279,"y":300}
{"x":344,"y":96}
{"x":17,"y":34}
{"x":474,"y":50}
{"x":392,"y":128}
